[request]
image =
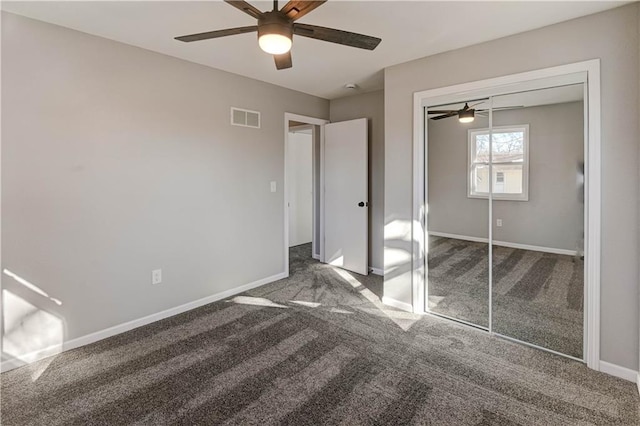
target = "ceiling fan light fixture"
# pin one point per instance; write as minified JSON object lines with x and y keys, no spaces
{"x":275,"y":44}
{"x":466,"y":116}
{"x":275,"y":33}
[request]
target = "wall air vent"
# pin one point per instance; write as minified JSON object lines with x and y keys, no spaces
{"x":245,"y":118}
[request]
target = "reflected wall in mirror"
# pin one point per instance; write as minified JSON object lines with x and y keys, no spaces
{"x":538,"y":217}
{"x":457,"y":225}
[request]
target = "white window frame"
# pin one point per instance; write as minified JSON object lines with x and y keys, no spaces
{"x":524,"y":196}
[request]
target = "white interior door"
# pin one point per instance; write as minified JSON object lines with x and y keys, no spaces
{"x":345,"y":200}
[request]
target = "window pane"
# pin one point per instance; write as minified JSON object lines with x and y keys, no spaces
{"x":508,"y":146}
{"x":480,"y":179}
{"x":507,"y":178}
{"x":481,"y":154}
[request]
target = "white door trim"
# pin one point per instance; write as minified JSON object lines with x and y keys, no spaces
{"x":313,"y":121}
{"x":496,"y":86}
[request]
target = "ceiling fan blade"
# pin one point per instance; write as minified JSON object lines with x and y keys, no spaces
{"x":442,"y":111}
{"x":296,"y":9}
{"x":216,"y":34}
{"x":283,"y":61}
{"x":440,"y":117}
{"x":336,"y":36}
{"x":245,"y":7}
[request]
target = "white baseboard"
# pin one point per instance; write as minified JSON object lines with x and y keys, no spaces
{"x":12,"y":363}
{"x":505,"y":243}
{"x":397,"y":304}
{"x":130,"y":325}
{"x":638,"y":382}
{"x":376,"y":271}
{"x":618,"y":371}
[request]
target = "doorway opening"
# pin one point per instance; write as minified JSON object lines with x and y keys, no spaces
{"x":303,"y":177}
{"x":302,"y":182}
{"x":338,"y":181}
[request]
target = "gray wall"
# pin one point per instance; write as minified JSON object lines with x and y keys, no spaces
{"x":611,"y":36}
{"x":553,"y":216}
{"x":117,"y":161}
{"x":371,"y":106}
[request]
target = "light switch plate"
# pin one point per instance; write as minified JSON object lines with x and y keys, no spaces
{"x":273,"y":186}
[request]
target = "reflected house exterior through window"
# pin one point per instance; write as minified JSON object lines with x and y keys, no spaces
{"x":509,"y":163}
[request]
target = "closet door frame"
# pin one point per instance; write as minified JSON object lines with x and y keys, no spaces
{"x":587,"y":72}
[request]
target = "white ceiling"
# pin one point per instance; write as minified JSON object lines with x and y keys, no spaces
{"x":409,"y":30}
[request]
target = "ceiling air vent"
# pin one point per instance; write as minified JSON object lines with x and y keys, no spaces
{"x":245,"y":118}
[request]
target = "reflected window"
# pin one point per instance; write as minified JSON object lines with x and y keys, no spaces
{"x":508,"y":162}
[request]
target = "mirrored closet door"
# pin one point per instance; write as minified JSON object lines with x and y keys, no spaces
{"x":505,"y":214}
{"x":538,"y":217}
{"x":457,"y":231}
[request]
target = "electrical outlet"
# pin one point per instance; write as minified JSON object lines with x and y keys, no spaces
{"x":499,"y":222}
{"x":156,"y":276}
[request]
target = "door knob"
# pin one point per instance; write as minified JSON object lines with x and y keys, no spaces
{"x":362,"y":204}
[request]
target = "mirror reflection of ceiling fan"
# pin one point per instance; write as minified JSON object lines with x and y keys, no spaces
{"x":277,"y":27}
{"x":465,"y":114}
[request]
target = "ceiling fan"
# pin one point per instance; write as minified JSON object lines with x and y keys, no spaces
{"x":466,"y":114}
{"x":277,"y":27}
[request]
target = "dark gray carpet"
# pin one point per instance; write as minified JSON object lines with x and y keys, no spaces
{"x":317,"y":348}
{"x":537,"y":297}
